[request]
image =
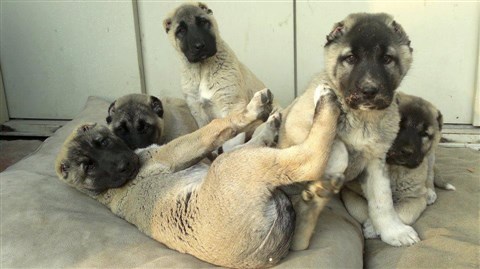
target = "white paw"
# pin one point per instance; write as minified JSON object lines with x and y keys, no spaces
{"x":320,"y":91}
{"x":431,"y":196}
{"x":400,"y":235}
{"x":369,"y":231}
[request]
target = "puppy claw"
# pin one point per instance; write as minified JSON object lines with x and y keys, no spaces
{"x":400,"y":235}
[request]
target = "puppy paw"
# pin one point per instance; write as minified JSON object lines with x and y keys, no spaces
{"x":145,"y":154}
{"x":330,"y":184}
{"x":324,"y":95}
{"x":399,"y":235}
{"x":431,"y":196}
{"x":272,"y":129}
{"x":369,"y":231}
{"x":261,"y":105}
{"x":320,"y":91}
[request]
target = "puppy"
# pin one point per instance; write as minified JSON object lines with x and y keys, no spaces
{"x":214,"y":82}
{"x":202,"y":210}
{"x":141,"y":120}
{"x":410,"y":164}
{"x":366,"y":58}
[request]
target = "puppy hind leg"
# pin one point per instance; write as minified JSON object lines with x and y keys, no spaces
{"x":410,"y":209}
{"x":267,"y":133}
{"x":308,"y":208}
{"x":191,"y":148}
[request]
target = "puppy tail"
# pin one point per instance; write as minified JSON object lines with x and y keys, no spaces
{"x":440,"y":182}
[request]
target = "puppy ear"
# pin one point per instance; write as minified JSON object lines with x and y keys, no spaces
{"x":440,"y":119}
{"x":111,"y":111}
{"x":63,"y":169}
{"x":205,"y":8}
{"x":167,"y":24}
{"x":337,"y":31}
{"x":86,"y":127}
{"x":156,"y":106}
{"x":398,"y":30}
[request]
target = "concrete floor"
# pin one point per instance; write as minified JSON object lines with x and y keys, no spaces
{"x":12,"y":151}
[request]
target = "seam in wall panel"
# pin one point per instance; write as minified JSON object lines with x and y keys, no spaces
{"x":138,"y":39}
{"x":295,"y":77}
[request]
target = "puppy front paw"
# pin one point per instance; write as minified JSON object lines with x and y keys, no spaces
{"x":431,"y":196}
{"x":399,"y":235}
{"x":369,"y":231}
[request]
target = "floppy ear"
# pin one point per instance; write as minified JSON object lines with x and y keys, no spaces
{"x":111,"y":111}
{"x":205,"y":8}
{"x":86,"y":127}
{"x":337,"y":31}
{"x":167,"y":24}
{"x":398,"y":29}
{"x":63,"y":169}
{"x":156,"y":106}
{"x":440,"y":120}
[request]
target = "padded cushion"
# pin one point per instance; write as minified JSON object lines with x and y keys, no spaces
{"x":45,"y":223}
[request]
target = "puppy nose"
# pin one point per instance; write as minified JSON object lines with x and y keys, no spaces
{"x":369,"y":92}
{"x":199,"y":45}
{"x":122,"y":166}
{"x":407,"y":151}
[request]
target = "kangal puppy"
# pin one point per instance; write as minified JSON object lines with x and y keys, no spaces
{"x":141,"y":120}
{"x":366,"y":58}
{"x":410,"y":164}
{"x":214,"y":82}
{"x":231,"y":213}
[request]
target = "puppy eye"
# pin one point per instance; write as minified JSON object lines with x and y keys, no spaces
{"x":181,"y":31}
{"x":143,"y":128}
{"x":423,"y":134}
{"x":387,"y":59}
{"x":105,"y":142}
{"x":121,"y":129}
{"x":351,"y":60}
{"x":204,"y":23}
{"x":88,"y":166}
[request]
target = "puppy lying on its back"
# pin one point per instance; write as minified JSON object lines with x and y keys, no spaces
{"x":141,"y":120}
{"x":410,"y":164}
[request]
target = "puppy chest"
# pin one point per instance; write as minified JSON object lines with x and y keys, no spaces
{"x":362,"y":140}
{"x":205,"y":90}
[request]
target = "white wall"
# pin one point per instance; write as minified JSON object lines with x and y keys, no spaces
{"x":260,"y":33}
{"x":444,"y":37}
{"x":55,"y":54}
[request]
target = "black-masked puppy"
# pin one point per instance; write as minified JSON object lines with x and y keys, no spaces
{"x":141,"y":120}
{"x":214,"y":82}
{"x":96,"y":160}
{"x":231,"y":213}
{"x":410,"y":164}
{"x":366,"y":58}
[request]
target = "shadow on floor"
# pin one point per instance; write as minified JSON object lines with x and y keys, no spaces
{"x":13,"y":150}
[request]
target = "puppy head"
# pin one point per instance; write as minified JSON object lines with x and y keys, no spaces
{"x":192,"y":30}
{"x":420,"y":131}
{"x":137,"y":119}
{"x":367,"y":56}
{"x":93,"y":160}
